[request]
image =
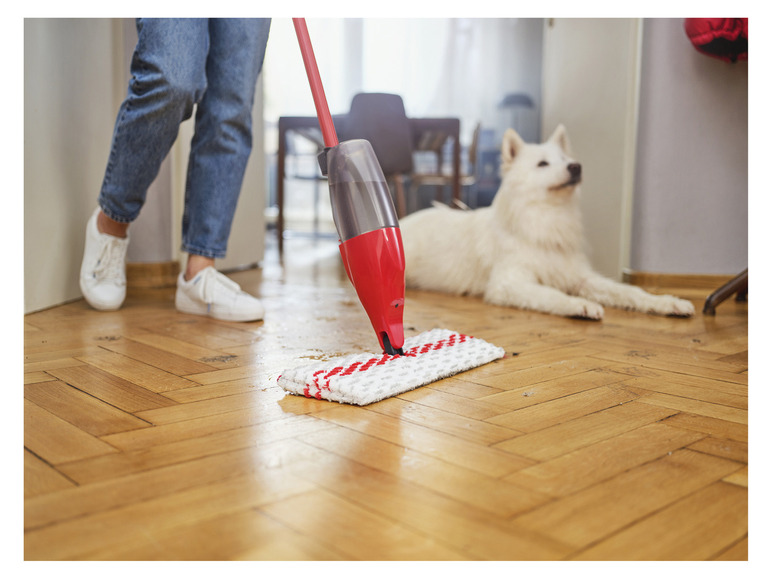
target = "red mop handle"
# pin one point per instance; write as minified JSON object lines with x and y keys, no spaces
{"x":317,"y":90}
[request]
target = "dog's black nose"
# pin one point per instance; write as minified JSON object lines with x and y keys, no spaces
{"x":575,"y":170}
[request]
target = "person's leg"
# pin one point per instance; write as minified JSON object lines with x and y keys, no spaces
{"x":218,"y":159}
{"x":195,"y":264}
{"x":168,"y":77}
{"x":112,"y":227}
{"x":223,"y":136}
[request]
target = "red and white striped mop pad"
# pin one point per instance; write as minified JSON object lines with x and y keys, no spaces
{"x":362,"y":379}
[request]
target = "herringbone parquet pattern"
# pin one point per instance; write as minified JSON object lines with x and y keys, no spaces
{"x":151,"y":434}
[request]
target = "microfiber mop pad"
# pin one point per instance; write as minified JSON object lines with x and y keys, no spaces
{"x":362,"y":379}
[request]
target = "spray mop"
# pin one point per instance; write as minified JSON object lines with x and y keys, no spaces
{"x":374,"y":260}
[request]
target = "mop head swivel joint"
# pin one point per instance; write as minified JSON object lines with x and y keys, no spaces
{"x":362,"y":379}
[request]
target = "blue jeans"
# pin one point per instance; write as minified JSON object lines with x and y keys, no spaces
{"x":212,"y":64}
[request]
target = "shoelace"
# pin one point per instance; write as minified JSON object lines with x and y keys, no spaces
{"x":110,"y":263}
{"x":211,"y":279}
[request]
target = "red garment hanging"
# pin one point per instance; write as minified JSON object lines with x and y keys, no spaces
{"x":722,"y":38}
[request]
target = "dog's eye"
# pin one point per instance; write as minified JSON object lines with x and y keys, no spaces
{"x":543,"y":163}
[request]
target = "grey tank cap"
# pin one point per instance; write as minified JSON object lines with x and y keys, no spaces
{"x":360,"y":197}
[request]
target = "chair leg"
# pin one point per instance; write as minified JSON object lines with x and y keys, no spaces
{"x":738,"y":285}
{"x":412,"y":197}
{"x":399,"y":184}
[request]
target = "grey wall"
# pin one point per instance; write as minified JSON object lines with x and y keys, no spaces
{"x":70,"y":99}
{"x":690,"y":208}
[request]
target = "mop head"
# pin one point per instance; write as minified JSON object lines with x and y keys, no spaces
{"x":362,"y":379}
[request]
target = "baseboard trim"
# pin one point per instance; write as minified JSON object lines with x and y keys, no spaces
{"x":152,"y":275}
{"x":675,"y":280}
{"x":164,"y":275}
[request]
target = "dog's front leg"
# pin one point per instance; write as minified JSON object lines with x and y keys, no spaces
{"x":518,"y":289}
{"x":621,"y":295}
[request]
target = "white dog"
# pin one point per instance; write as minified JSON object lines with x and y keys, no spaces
{"x":526,"y":249}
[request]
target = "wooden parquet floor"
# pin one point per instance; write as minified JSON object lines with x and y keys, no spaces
{"x":153,"y":435}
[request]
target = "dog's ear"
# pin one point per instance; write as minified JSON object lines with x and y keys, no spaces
{"x":560,"y":138}
{"x":510,"y":146}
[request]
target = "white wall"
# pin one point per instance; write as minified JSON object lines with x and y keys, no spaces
{"x":690,"y":210}
{"x":590,"y":80}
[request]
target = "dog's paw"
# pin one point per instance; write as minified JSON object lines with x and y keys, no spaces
{"x":586,"y":310}
{"x":666,"y":305}
{"x":677,"y":307}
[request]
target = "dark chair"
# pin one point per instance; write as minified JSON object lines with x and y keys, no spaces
{"x":380,"y":118}
{"x":441,"y":178}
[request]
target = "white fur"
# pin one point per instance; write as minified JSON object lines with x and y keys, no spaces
{"x":527,"y":249}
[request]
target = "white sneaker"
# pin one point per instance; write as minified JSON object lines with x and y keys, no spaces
{"x":212,"y":294}
{"x":103,"y":270}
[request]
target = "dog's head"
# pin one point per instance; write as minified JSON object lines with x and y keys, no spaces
{"x":546,"y":167}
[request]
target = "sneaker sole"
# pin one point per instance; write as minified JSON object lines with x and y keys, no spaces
{"x":203,"y":311}
{"x":101,"y":306}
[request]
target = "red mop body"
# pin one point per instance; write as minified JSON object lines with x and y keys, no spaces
{"x":372,"y":253}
